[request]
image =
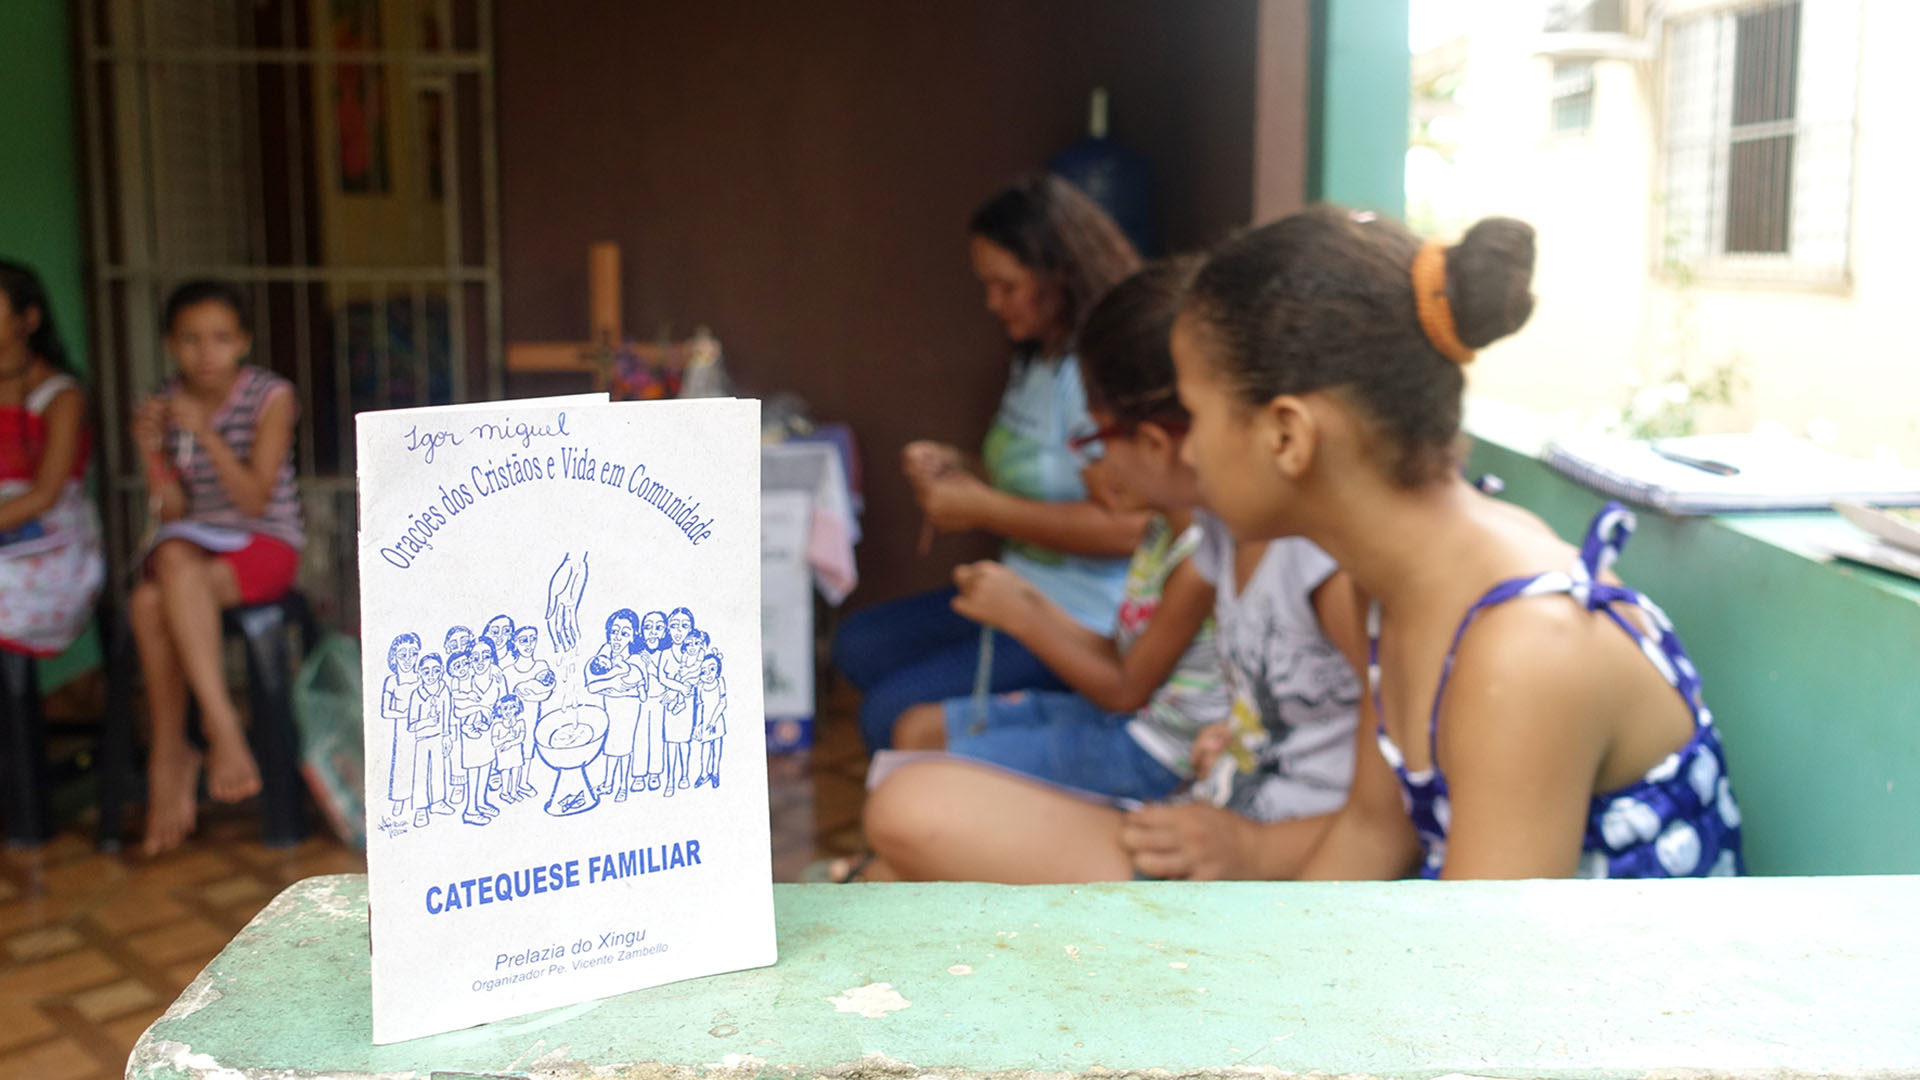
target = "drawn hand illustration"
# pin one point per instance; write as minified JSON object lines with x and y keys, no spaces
{"x":569,"y":581}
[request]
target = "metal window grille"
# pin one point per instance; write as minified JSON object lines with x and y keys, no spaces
{"x":336,"y":158}
{"x":1759,"y":140}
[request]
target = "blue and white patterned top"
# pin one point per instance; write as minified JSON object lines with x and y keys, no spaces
{"x":1679,"y":820}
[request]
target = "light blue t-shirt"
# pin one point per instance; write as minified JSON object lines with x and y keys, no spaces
{"x":1026,"y":454}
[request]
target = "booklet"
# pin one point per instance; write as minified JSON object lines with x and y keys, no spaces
{"x":564,"y":727}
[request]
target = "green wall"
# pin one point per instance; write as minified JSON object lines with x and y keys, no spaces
{"x":40,"y":193}
{"x":1809,"y":667}
{"x":1361,"y":98}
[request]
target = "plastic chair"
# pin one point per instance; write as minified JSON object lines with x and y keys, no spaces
{"x":275,"y":740}
{"x":28,"y":807}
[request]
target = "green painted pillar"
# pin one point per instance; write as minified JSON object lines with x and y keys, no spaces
{"x":1361,"y":97}
{"x":40,"y":193}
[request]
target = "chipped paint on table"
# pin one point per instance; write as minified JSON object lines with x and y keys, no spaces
{"x":1591,"y":980}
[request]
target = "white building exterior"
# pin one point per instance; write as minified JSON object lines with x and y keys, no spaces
{"x":1717,"y":181}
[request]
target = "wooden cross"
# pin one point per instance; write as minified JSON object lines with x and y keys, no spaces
{"x":594,"y":357}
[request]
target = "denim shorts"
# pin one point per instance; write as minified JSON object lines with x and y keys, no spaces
{"x":1061,"y":738}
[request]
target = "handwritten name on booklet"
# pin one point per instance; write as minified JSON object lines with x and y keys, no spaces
{"x":428,"y":443}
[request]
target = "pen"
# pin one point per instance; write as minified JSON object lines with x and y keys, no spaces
{"x":982,"y":682}
{"x":1717,"y":468}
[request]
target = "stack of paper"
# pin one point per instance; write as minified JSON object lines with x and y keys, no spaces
{"x":1892,"y":541}
{"x":1708,"y":474}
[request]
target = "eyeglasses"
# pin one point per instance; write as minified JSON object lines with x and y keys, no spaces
{"x":1089,"y":449}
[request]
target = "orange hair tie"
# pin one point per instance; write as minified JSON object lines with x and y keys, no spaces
{"x":1430,"y":301}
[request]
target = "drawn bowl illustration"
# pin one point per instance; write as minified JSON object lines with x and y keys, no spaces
{"x":568,"y":739}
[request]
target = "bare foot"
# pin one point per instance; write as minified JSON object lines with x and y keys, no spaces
{"x":231,"y":773}
{"x":173,"y":781}
{"x":867,"y":867}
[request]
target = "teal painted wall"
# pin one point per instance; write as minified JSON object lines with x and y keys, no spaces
{"x":40,"y":193}
{"x":1362,"y":95}
{"x":1812,"y":670}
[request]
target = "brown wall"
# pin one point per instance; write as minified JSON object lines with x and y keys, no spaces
{"x":798,"y":176}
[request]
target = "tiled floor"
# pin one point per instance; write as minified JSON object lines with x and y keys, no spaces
{"x":93,"y":947}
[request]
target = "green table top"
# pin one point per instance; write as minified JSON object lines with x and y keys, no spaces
{"x":1404,"y":979}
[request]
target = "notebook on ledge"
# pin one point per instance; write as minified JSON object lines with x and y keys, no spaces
{"x":1710,"y":474}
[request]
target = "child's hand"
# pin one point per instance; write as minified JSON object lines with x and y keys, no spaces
{"x":150,"y":426}
{"x":953,"y":501}
{"x":924,"y":460}
{"x":187,"y":414}
{"x":1208,"y":745}
{"x":992,"y":595}
{"x":1189,"y":841}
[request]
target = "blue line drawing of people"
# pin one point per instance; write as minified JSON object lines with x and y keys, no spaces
{"x":430,"y":721}
{"x":710,"y":727}
{"x":621,"y":683}
{"x":476,"y":757}
{"x":476,"y":684}
{"x":499,"y":630}
{"x":403,"y":660}
{"x":651,"y":751}
{"x":679,"y":670}
{"x":509,"y":755}
{"x":458,"y":640}
{"x":530,"y":679}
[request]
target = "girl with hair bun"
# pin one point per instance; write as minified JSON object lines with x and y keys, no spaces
{"x":1536,"y":718}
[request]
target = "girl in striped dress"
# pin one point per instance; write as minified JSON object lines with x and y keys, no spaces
{"x":217,"y":442}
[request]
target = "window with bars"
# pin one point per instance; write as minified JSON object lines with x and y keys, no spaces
{"x":336,"y":159}
{"x":1759,"y":141}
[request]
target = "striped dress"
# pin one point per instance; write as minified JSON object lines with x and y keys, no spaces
{"x":237,"y":422}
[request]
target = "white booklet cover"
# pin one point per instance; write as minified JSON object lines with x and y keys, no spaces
{"x":565,"y":736}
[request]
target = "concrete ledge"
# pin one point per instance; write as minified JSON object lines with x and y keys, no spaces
{"x":1741,"y":978}
{"x":1810,"y":666}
